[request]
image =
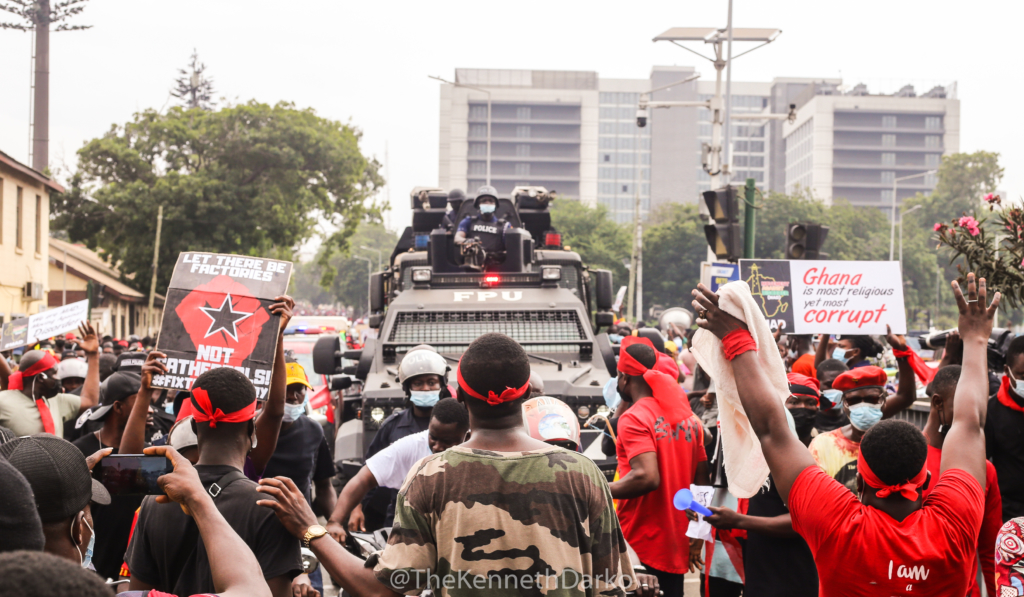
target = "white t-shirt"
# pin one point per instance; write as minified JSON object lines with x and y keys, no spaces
{"x":391,"y":465}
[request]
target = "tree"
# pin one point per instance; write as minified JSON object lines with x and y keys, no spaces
{"x":193,"y":87}
{"x":250,"y":179}
{"x":348,"y":285}
{"x":37,"y":15}
{"x":674,"y":246}
{"x":600,"y":242}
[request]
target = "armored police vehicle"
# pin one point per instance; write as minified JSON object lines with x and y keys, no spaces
{"x":537,"y":292}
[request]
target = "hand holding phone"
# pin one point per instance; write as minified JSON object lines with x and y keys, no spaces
{"x":132,"y":474}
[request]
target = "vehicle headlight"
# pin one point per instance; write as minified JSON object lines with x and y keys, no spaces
{"x":603,"y":410}
{"x":377,"y":414}
{"x":421,"y":274}
{"x":583,"y":412}
{"x":551,"y":273}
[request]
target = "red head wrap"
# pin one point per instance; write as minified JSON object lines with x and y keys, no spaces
{"x":17,"y":379}
{"x":666,"y":390}
{"x":491,"y":398}
{"x":907,"y":489}
{"x":204,"y":411}
{"x":802,"y":385}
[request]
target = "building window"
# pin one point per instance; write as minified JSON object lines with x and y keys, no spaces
{"x":523,"y":151}
{"x":523,"y":113}
{"x":478,"y":149}
{"x":19,"y":216}
{"x":608,"y":113}
{"x":757,"y":147}
{"x":478,"y":112}
{"x":606,"y":157}
{"x":607,"y":128}
{"x":39,"y":224}
{"x":522,"y":169}
{"x":932,"y":160}
{"x":626,"y":143}
{"x":705,"y":130}
{"x":740,"y":160}
{"x":741,"y":146}
{"x":703,"y":115}
{"x":606,"y":173}
{"x":625,"y":188}
{"x":606,"y":142}
{"x":606,"y":188}
{"x":627,"y":173}
{"x":931,"y":141}
{"x":931,"y":179}
{"x":626,"y":158}
{"x":478,"y":168}
{"x":626,"y":113}
{"x":607,"y":97}
{"x":886,"y":196}
{"x":888,"y":159}
{"x":888,"y":140}
{"x":478,"y":131}
{"x":932,"y":123}
{"x":889,"y":122}
{"x":523,"y":132}
{"x":888,"y":177}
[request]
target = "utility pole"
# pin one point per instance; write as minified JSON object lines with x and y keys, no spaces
{"x":156,"y":258}
{"x":749,"y":218}
{"x":38,"y":15}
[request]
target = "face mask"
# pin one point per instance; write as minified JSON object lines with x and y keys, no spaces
{"x":839,"y":354}
{"x":425,"y":399}
{"x":87,"y":558}
{"x":864,"y":416}
{"x":169,"y":407}
{"x":615,"y":338}
{"x":611,"y":394}
{"x":1018,"y":386}
{"x":293,"y":411}
{"x":487,"y":208}
{"x":833,"y":396}
{"x":803,"y":418}
{"x":793,"y":355}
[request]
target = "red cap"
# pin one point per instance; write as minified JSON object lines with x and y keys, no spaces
{"x":123,"y":343}
{"x":861,"y":377}
{"x":69,"y":336}
{"x":802,"y":385}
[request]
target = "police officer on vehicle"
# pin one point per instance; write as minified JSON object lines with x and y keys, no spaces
{"x":487,"y":230}
{"x":424,"y":376}
{"x":455,"y":199}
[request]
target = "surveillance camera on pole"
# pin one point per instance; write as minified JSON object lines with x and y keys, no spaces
{"x":641,"y":117}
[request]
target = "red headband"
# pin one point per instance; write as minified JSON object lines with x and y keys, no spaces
{"x":665,"y":388}
{"x":907,"y":489}
{"x":17,"y":379}
{"x":204,"y":410}
{"x":493,"y":399}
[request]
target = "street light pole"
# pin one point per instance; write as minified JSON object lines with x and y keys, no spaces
{"x":892,"y":227}
{"x":903,"y":215}
{"x":369,"y":267}
{"x":365,"y":248}
{"x":482,"y":90}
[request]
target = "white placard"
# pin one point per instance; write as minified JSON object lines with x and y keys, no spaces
{"x":54,"y":322}
{"x":847,"y":297}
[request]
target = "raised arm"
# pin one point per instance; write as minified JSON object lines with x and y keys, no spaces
{"x":786,"y":456}
{"x":268,"y":424}
{"x":134,"y":437}
{"x":91,"y":345}
{"x":235,"y":570}
{"x":906,"y":391}
{"x":5,"y":371}
{"x":821,"y":353}
{"x":970,"y":401}
{"x":351,"y":495}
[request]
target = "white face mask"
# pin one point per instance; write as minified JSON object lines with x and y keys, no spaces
{"x":1018,"y":385}
{"x":487,"y":208}
{"x":293,"y":411}
{"x":87,"y":558}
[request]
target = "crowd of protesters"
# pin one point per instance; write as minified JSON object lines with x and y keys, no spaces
{"x":482,"y":479}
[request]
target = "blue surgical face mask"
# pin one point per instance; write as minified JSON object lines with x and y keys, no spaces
{"x":615,"y":338}
{"x":294,"y":411}
{"x":169,"y":407}
{"x":1018,"y":385}
{"x":487,"y":208}
{"x":833,"y":396}
{"x":839,"y":354}
{"x":611,"y":393}
{"x":864,"y":416}
{"x":87,"y":558}
{"x":425,"y":399}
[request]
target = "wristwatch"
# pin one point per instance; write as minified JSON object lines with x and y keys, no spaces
{"x":314,"y":532}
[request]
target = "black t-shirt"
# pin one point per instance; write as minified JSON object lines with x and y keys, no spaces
{"x":167,"y":552}
{"x":1004,"y":442}
{"x":301,"y":455}
{"x":111,"y":523}
{"x":824,"y":423}
{"x":777,"y":566}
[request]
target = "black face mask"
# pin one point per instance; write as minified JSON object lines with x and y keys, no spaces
{"x":803,"y":418}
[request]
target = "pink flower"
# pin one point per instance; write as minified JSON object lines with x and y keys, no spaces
{"x":989,"y":197}
{"x":970,"y":224}
{"x":938,"y":226}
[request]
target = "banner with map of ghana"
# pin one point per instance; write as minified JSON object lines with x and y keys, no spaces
{"x":828,"y":297}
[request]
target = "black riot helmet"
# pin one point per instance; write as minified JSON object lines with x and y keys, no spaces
{"x":485,"y":191}
{"x":456,"y":195}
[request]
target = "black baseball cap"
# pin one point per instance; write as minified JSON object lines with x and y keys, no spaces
{"x":121,"y":385}
{"x":131,"y":362}
{"x":58,"y":474}
{"x":20,"y":527}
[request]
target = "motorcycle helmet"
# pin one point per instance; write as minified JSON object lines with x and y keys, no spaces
{"x":552,"y":421}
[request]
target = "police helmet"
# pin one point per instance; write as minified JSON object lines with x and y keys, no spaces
{"x":485,"y":191}
{"x":422,"y":361}
{"x":456,"y":195}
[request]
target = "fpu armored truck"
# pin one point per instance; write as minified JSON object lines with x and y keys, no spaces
{"x":538,"y":293}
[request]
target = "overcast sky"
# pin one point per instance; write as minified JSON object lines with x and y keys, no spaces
{"x":367,"y":62}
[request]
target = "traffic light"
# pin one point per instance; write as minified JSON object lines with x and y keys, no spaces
{"x":804,"y":241}
{"x":725,"y":237}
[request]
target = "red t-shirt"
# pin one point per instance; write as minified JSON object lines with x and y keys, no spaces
{"x":805,"y":366}
{"x":651,"y":524}
{"x":990,"y":523}
{"x":862,"y":552}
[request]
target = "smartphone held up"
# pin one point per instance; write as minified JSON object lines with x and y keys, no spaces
{"x":132,"y":474}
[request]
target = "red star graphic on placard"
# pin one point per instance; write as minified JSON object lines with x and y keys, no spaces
{"x":223,"y":313}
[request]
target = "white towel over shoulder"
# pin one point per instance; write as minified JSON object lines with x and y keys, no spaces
{"x":744,"y":463}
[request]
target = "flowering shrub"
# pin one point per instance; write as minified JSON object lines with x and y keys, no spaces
{"x":994,"y":251}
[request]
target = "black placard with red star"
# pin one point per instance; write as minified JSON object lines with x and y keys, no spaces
{"x":217,"y":314}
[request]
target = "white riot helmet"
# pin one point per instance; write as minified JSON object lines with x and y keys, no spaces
{"x":422,"y":361}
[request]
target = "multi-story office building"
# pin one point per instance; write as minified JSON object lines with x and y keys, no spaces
{"x":854,"y":145}
{"x":576,"y":133}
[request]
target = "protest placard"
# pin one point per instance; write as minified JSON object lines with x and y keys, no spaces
{"x":217,"y":314}
{"x":830,"y":297}
{"x":58,"y":321}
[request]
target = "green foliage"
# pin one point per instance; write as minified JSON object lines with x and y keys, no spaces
{"x":348,"y":284}
{"x":674,"y":246}
{"x":251,"y":179}
{"x":601,"y":243}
